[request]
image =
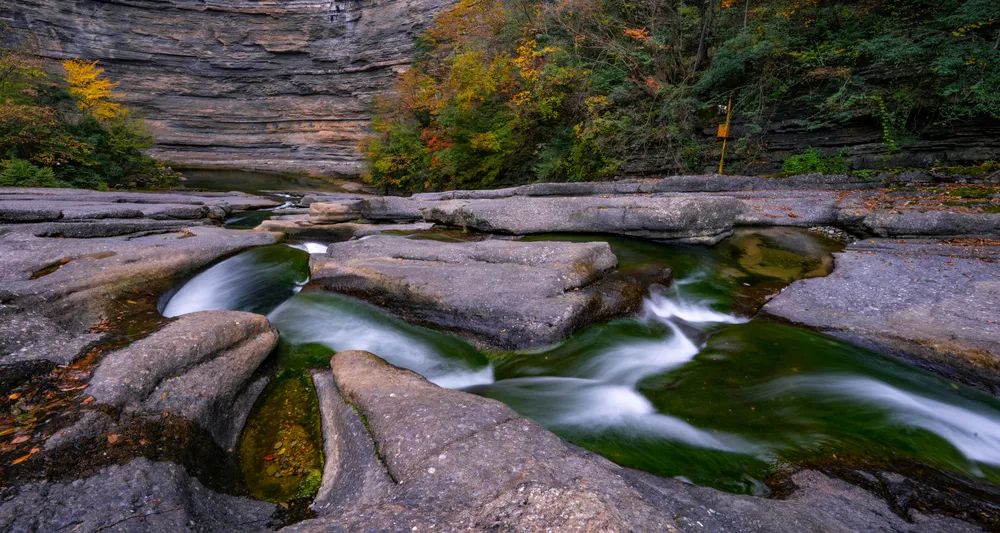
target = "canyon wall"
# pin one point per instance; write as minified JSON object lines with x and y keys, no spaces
{"x":268,"y":85}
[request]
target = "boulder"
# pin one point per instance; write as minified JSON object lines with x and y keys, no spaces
{"x":687,"y":218}
{"x":141,"y":495}
{"x":198,"y":368}
{"x":506,"y":294}
{"x":933,"y":303}
{"x":463,"y":462}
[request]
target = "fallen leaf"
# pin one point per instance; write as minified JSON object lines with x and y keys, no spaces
{"x":21,"y":439}
{"x":88,"y":400}
{"x":21,"y":459}
{"x":268,"y":457}
{"x":113,"y":438}
{"x":14,"y":396}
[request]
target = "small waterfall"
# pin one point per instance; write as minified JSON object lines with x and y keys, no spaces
{"x":603,"y":394}
{"x":975,"y":433}
{"x":256,"y":280}
{"x":342,"y":324}
{"x":311,"y":247}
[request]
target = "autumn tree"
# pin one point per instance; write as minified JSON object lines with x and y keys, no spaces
{"x":94,"y":93}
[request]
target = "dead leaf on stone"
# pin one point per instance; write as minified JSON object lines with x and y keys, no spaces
{"x":20,"y":459}
{"x":113,"y":438}
{"x":20,"y":439}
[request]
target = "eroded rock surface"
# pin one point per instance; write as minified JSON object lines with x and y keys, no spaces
{"x":932,"y":302}
{"x":301,"y":226}
{"x":507,"y":294}
{"x":197,"y":367}
{"x":141,"y":495}
{"x":68,"y":254}
{"x":462,"y":462}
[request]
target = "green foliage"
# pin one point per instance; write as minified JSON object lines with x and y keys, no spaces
{"x":21,"y":173}
{"x":44,"y":126}
{"x":812,"y":160}
{"x":512,"y":91}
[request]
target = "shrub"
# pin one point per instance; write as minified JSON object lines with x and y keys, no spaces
{"x":812,"y":160}
{"x":21,"y":173}
{"x":72,"y":130}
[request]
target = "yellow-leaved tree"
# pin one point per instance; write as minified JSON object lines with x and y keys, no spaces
{"x":93,"y":92}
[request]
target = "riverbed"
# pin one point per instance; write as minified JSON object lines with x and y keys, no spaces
{"x":695,"y":385}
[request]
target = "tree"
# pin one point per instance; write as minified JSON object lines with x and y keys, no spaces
{"x":93,"y":92}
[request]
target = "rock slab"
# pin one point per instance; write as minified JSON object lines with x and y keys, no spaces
{"x":506,"y":294}
{"x":934,"y":303}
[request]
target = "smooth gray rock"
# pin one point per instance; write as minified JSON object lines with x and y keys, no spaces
{"x":302,"y":227}
{"x":196,"y":367}
{"x":462,"y":462}
{"x":688,"y":218}
{"x":353,"y":473}
{"x":930,"y":224}
{"x":934,"y":303}
{"x":367,"y":207}
{"x":54,"y":291}
{"x":508,"y":294}
{"x":141,"y":496}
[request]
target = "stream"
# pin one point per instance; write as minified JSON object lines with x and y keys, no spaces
{"x":693,"y":386}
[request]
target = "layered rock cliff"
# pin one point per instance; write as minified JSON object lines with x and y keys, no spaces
{"x":269,"y":85}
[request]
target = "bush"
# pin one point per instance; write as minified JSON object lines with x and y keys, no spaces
{"x":70,"y":132}
{"x":812,"y":160}
{"x":21,"y":173}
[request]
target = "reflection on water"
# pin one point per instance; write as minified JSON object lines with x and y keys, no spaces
{"x":690,"y":386}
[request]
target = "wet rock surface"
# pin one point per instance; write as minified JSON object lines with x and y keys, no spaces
{"x":465,"y":462}
{"x":141,"y":495}
{"x":934,"y":303}
{"x":507,"y":294}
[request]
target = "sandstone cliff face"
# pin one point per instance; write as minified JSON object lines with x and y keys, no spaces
{"x":268,"y":85}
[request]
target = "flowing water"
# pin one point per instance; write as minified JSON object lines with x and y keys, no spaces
{"x":691,"y":386}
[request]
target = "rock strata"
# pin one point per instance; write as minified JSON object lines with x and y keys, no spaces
{"x":463,"y":462}
{"x":271,"y":86}
{"x":931,"y":302}
{"x":506,"y":294}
